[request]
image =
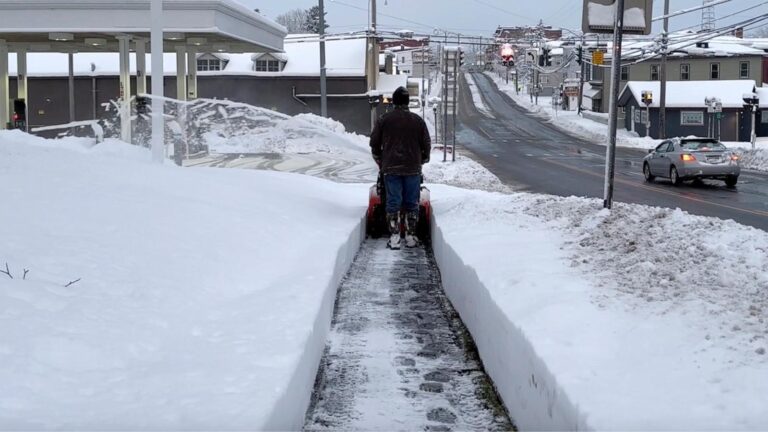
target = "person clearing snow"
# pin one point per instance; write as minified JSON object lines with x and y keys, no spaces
{"x":400,"y":145}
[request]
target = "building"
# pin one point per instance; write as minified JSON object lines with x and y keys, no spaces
{"x":720,"y":59}
{"x":287,"y":82}
{"x":518,"y":33}
{"x":686,"y":112}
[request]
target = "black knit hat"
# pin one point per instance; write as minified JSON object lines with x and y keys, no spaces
{"x":401,"y":96}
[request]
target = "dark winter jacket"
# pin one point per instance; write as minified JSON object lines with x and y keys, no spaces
{"x":400,"y":142}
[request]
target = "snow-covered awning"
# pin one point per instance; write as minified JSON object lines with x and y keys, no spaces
{"x":590,"y":92}
{"x":94,"y":25}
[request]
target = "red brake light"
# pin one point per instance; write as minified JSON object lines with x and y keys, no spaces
{"x":687,"y":157}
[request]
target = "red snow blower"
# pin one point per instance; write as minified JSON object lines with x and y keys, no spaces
{"x":376,"y":220}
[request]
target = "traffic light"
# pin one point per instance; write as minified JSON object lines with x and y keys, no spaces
{"x":461,"y":57}
{"x":19,"y":119}
{"x":545,"y":59}
{"x":142,"y":105}
{"x":580,"y":55}
{"x":647,"y":97}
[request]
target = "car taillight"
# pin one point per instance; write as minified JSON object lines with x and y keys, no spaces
{"x":687,"y":157}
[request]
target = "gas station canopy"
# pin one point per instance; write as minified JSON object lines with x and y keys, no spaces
{"x":96,"y":25}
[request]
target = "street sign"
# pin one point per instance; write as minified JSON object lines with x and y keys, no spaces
{"x":598,"y":16}
{"x":598,"y":58}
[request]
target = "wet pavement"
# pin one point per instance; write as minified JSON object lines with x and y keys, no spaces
{"x":398,"y":357}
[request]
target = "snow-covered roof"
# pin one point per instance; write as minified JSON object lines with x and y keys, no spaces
{"x":682,"y":44}
{"x":762,"y":93}
{"x":343,"y":58}
{"x":387,"y":84}
{"x":691,"y":94}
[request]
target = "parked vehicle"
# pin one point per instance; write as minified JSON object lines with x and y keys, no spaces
{"x":681,"y":159}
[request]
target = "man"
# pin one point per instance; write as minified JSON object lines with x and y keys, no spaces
{"x":400,"y":145}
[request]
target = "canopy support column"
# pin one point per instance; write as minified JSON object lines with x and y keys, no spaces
{"x":192,"y":74}
{"x":21,"y":82}
{"x":181,"y":73}
{"x":125,"y":88}
{"x":141,"y":66}
{"x":4,"y":86}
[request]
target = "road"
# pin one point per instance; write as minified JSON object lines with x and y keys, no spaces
{"x":528,"y":153}
{"x":398,"y":356}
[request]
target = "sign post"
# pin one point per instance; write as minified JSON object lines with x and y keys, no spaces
{"x":606,"y":16}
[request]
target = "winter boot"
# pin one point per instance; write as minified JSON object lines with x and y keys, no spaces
{"x":393,"y":222}
{"x":411,"y":221}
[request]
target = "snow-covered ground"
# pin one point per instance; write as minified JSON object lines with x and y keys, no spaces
{"x":477,"y":99}
{"x":203,"y":299}
{"x":204,"y":296}
{"x":598,"y":132}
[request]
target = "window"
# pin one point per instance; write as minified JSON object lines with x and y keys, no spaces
{"x":691,"y":118}
{"x":208,"y":65}
{"x":714,"y":71}
{"x":743,"y":70}
{"x":661,"y":148}
{"x":654,"y":72}
{"x":764,"y":116}
{"x":685,"y":72}
{"x":267,"y":66}
{"x":625,"y":73}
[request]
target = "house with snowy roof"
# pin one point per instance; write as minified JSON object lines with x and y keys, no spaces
{"x":687,"y":112}
{"x":723,"y":58}
{"x":287,"y":82}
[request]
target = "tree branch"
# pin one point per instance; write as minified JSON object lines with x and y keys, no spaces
{"x":7,"y":271}
{"x":71,"y":283}
{"x":25,"y":274}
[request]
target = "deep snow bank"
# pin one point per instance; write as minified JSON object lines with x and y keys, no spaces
{"x":204,"y":296}
{"x":642,"y":318}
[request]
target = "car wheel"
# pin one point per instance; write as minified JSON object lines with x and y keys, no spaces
{"x":731,"y":181}
{"x":647,"y":173}
{"x":674,"y":176}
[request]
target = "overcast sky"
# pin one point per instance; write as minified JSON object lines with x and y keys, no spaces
{"x":480,"y":17}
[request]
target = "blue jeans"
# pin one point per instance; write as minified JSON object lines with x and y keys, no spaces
{"x":402,"y":192}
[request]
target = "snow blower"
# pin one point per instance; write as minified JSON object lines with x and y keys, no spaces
{"x":376,"y":217}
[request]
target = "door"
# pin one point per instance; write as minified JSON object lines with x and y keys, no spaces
{"x":659,"y":162}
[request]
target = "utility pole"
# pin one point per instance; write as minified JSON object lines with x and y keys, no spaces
{"x":663,"y":75}
{"x":423,"y":73}
{"x":156,"y":45}
{"x":373,"y":59}
{"x":610,"y":156}
{"x":582,"y":68}
{"x":323,"y":84}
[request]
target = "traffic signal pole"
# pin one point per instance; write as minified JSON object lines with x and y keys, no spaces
{"x":663,"y":76}
{"x":610,"y":156}
{"x":323,"y":85}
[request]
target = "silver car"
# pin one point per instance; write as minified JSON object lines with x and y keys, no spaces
{"x":681,"y":159}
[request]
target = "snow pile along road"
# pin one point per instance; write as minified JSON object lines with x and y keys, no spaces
{"x":464,"y":173}
{"x":202,"y":297}
{"x":231,"y":127}
{"x":641,"y":318}
{"x":570,"y":121}
{"x":477,"y":99}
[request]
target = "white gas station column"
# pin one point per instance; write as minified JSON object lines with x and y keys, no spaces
{"x":125,"y":88}
{"x":192,"y":74}
{"x":181,"y":73}
{"x":21,"y":80}
{"x":4,"y":85}
{"x":141,"y":66}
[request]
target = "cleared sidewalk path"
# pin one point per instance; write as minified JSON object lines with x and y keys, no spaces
{"x":398,"y":356}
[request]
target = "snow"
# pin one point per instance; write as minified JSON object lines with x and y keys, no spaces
{"x":604,"y":15}
{"x":205,"y":296}
{"x":585,"y":321}
{"x":571,"y":122}
{"x":343,"y":58}
{"x":691,"y":94}
{"x":387,"y":84}
{"x":195,"y":308}
{"x":477,"y":99}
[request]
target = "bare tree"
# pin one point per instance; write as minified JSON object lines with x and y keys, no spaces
{"x":761,"y":32}
{"x":294,"y":20}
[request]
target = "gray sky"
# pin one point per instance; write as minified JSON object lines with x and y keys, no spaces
{"x":480,"y":17}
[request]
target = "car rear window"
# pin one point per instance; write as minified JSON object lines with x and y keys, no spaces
{"x":702,"y":145}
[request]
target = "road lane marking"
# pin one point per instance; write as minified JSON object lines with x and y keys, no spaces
{"x":655,"y":189}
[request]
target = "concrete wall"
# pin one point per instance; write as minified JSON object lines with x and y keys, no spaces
{"x":48,"y":102}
